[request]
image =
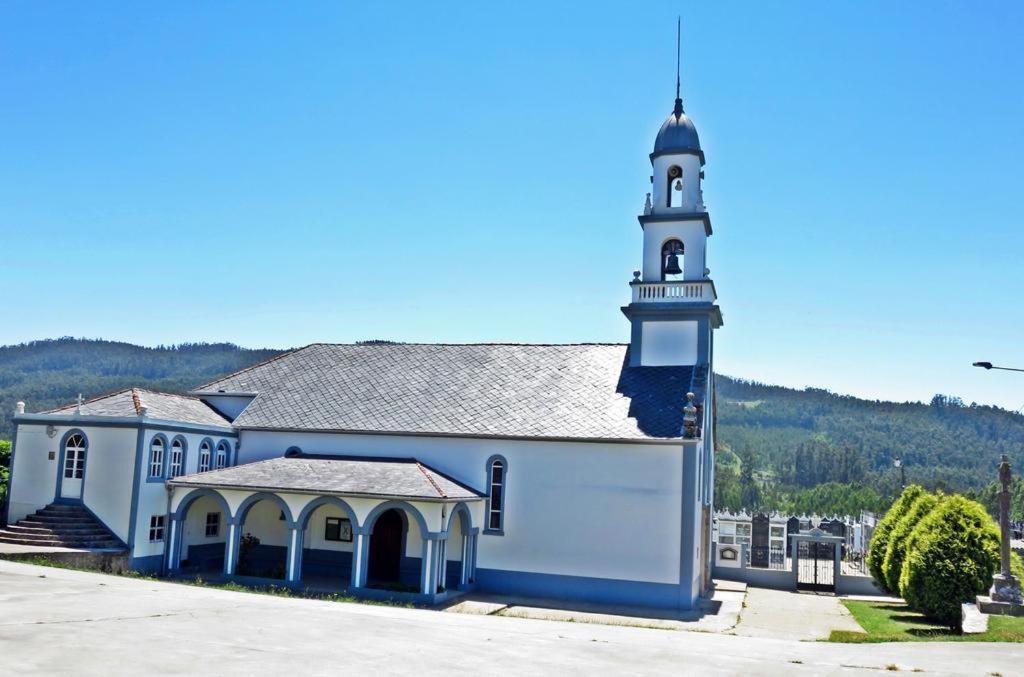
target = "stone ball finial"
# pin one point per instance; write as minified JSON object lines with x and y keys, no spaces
{"x":19,"y":408}
{"x":636,"y":276}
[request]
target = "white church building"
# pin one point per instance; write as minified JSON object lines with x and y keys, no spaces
{"x":582,"y":472}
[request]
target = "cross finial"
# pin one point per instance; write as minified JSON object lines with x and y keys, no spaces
{"x":678,"y":110}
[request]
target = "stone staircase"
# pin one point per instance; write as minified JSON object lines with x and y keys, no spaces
{"x":64,"y":526}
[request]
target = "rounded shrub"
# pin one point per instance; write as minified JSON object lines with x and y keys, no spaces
{"x":880,"y":539}
{"x":896,"y":550}
{"x":951,"y":556}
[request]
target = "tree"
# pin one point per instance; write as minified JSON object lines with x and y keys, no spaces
{"x":951,"y":557}
{"x":5,"y":474}
{"x":880,"y":540}
{"x":896,"y":550}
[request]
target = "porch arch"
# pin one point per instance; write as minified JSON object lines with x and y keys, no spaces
{"x":267,"y":561}
{"x":372,"y":550}
{"x":253,"y":499}
{"x":178,"y":520}
{"x":303,"y":524}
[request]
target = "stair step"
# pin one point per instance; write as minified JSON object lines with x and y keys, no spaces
{"x":76,"y":530}
{"x":22,"y":539}
{"x":53,"y":519}
{"x":57,"y":507}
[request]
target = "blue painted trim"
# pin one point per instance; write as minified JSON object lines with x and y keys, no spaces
{"x":403,"y":508}
{"x":199,"y":454}
{"x":689,"y":539}
{"x":183,"y":507}
{"x":170,"y":454}
{"x":500,"y":531}
{"x":60,"y":466}
{"x":123,"y":422}
{"x":644,"y":219}
{"x":10,"y":476}
{"x":133,"y":512}
{"x":580,"y":588}
{"x":466,"y":519}
{"x":303,"y":524}
{"x":253,"y":499}
{"x":149,"y":564}
{"x":163,"y":461}
{"x":223,"y":444}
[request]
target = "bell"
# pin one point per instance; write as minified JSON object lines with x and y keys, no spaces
{"x":672,"y":265}
{"x":679,"y":184}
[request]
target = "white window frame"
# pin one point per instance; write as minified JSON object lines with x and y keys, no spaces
{"x":74,"y":457}
{"x":222,"y":455}
{"x":496,"y":509}
{"x":177,"y":464}
{"x":205,"y":456}
{"x":156,"y":457}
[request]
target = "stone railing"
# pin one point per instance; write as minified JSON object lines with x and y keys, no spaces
{"x":701,"y":291}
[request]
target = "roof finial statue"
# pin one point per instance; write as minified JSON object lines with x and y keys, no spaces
{"x":678,"y":110}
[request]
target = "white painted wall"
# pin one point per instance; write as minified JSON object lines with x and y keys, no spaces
{"x":153,"y":495}
{"x":314,"y":534}
{"x":669,"y":342}
{"x":195,"y":525}
{"x":109,"y":469}
{"x":694,"y":239}
{"x":579,"y":509}
{"x":265,"y":523}
{"x":690,"y":164}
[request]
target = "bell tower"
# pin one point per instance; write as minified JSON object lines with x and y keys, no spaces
{"x":673,"y":309}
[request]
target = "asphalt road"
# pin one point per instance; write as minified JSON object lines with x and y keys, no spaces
{"x":54,"y":621}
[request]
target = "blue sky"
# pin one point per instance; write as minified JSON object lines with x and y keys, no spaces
{"x":274,"y":175}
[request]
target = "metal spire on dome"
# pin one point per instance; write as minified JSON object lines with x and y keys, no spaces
{"x":678,"y":110}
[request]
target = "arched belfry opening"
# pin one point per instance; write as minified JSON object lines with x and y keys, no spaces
{"x":674,"y":187}
{"x":672,"y":260}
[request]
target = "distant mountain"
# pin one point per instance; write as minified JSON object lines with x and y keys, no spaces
{"x":774,"y":442}
{"x":47,"y":374}
{"x":791,"y":440}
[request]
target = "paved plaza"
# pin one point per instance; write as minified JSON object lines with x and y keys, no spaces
{"x":56,"y":621}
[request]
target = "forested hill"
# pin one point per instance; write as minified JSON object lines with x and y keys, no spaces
{"x":47,"y":374}
{"x":778,"y":441}
{"x":774,"y":442}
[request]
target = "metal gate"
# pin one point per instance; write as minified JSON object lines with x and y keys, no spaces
{"x":816,"y":567}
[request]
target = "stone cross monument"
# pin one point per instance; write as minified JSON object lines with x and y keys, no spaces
{"x":1005,"y":586}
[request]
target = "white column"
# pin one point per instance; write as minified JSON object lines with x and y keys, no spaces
{"x":358,"y":560}
{"x":294,"y":543}
{"x":231,"y":549}
{"x":172,"y":550}
{"x":425,"y":574}
{"x":464,"y":574}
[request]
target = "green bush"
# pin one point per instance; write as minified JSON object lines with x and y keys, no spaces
{"x":896,"y":550}
{"x":951,"y":556}
{"x":880,"y":539}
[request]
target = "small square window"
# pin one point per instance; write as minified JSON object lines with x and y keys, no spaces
{"x":156,"y":528}
{"x":212,"y":524}
{"x":338,"y":529}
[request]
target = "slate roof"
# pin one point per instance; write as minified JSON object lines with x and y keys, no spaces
{"x":164,"y":406}
{"x":570,"y":391}
{"x":341,"y":475}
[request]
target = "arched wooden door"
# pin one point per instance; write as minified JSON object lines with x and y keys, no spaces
{"x":386,"y":548}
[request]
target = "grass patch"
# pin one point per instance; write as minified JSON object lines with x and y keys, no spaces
{"x":896,"y":622}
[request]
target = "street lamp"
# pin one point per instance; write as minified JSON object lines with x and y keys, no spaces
{"x":989,"y":365}
{"x":898,"y":462}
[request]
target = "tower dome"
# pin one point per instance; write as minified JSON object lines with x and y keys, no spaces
{"x":678,"y":135}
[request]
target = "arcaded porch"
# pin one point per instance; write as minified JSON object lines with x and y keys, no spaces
{"x":372,"y":527}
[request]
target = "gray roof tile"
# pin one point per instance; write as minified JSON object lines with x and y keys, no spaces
{"x":340,"y":475}
{"x":576,"y":391}
{"x":164,"y":406}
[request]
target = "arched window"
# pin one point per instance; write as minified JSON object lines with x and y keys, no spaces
{"x":74,"y":457}
{"x":496,"y":471}
{"x":177,"y":457}
{"x":672,"y":260}
{"x":156,"y":457}
{"x":674,"y":187}
{"x":222,"y":455}
{"x":205,"y":456}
